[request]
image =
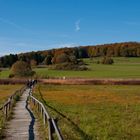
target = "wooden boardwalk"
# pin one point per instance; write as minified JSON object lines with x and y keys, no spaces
{"x":23,"y":125}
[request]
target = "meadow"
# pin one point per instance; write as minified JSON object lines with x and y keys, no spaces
{"x":5,"y":92}
{"x":93,"y":112}
{"x":123,"y":67}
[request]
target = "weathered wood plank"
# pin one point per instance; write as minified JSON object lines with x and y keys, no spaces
{"x":23,"y":125}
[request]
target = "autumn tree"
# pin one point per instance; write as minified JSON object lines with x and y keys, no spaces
{"x":48,"y":60}
{"x":62,"y":58}
{"x":21,"y":69}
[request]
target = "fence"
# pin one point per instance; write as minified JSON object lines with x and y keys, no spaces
{"x":52,"y":125}
{"x":10,"y":102}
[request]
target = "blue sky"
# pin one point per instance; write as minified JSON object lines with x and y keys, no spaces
{"x":27,"y":25}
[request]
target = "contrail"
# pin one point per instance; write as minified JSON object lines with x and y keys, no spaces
{"x":13,"y":24}
{"x":10,"y":23}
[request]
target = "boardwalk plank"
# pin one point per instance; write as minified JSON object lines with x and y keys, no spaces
{"x":23,"y":125}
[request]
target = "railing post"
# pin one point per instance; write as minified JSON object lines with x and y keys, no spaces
{"x":44,"y":119}
{"x":50,"y":129}
{"x":6,"y":112}
{"x":56,"y":129}
{"x":42,"y":112}
{"x":34,"y":102}
{"x":47,"y":120}
{"x":9,"y":105}
{"x":38,"y":107}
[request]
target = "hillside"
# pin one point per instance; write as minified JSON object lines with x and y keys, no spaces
{"x":126,"y":49}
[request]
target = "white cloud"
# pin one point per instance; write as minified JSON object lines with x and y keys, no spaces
{"x":77,"y":25}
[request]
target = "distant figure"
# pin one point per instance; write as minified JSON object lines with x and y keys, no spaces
{"x":34,"y":82}
{"x":31,"y":83}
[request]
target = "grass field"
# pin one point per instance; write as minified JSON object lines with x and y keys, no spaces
{"x":5,"y":92}
{"x":94,"y":112}
{"x":122,"y":68}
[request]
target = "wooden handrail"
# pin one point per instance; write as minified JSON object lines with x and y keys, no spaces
{"x":52,"y":126}
{"x":58,"y":133}
{"x":10,"y":102}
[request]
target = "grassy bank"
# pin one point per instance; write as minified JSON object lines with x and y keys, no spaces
{"x":94,"y":112}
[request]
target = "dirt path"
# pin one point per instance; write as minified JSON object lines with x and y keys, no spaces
{"x":23,"y":125}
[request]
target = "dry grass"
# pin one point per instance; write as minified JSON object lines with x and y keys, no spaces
{"x":6,"y":91}
{"x":90,"y":94}
{"x":94,"y":112}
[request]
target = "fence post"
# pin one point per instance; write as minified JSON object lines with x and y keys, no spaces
{"x":47,"y":120}
{"x":44,"y":119}
{"x":9,"y":105}
{"x":42,"y":112}
{"x":38,"y":107}
{"x":6,"y":112}
{"x":34,"y":102}
{"x":50,"y":129}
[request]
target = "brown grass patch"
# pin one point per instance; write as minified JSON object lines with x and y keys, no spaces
{"x":6,"y":91}
{"x":89,"y":96}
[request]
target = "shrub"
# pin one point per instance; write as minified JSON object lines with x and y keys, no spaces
{"x":80,"y":62}
{"x":69,"y":66}
{"x":98,"y":62}
{"x":33,"y":63}
{"x":62,"y":58}
{"x":11,"y":75}
{"x":107,"y":60}
{"x":73,"y":59}
{"x":21,"y":69}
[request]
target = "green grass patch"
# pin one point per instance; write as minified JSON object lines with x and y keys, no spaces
{"x":4,"y":74}
{"x":122,"y":68}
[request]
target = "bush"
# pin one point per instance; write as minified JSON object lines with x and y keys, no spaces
{"x":73,"y":59}
{"x":98,"y":62}
{"x":11,"y":75}
{"x":33,"y":63}
{"x":21,"y":69}
{"x":80,"y":62}
{"x":69,"y":66}
{"x":107,"y":60}
{"x":16,"y":98}
{"x":62,"y":58}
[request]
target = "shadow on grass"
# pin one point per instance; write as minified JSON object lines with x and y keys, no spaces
{"x":75,"y":126}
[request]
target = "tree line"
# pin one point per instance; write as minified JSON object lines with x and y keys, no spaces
{"x":47,"y":57}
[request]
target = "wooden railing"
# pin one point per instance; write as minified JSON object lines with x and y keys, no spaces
{"x":52,"y":125}
{"x":7,"y":107}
